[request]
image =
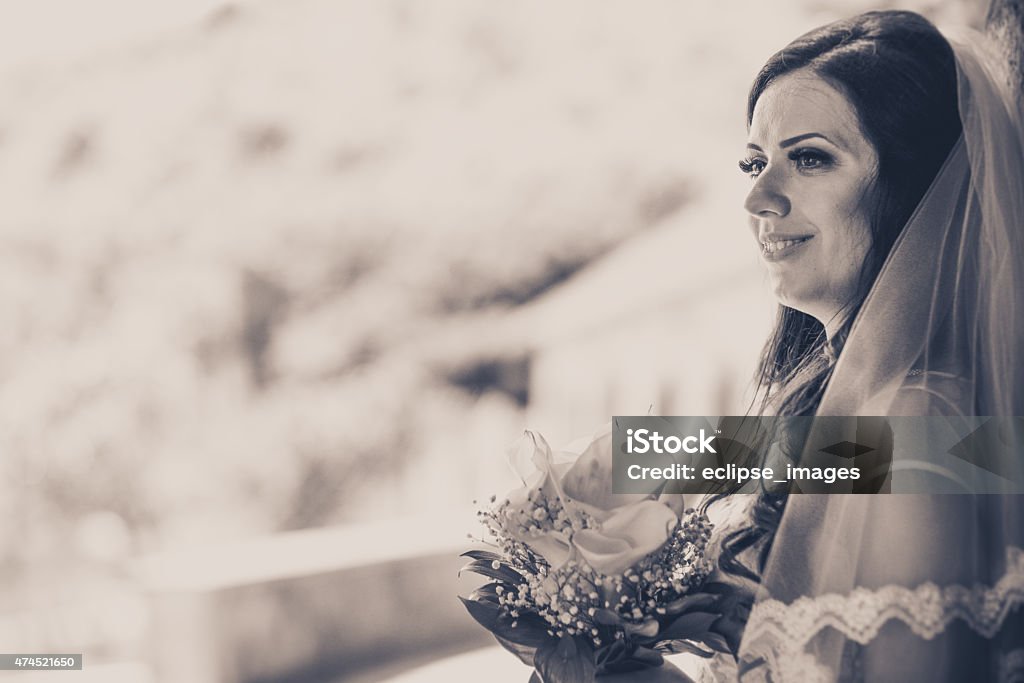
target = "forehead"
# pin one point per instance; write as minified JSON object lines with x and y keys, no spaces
{"x":802,"y":102}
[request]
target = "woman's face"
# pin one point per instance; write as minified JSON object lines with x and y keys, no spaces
{"x":811,"y":167}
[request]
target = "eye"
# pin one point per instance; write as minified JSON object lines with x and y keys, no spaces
{"x":752,"y":167}
{"x":810,"y":159}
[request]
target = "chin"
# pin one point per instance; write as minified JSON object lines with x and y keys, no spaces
{"x":798,"y":296}
{"x":784,"y":296}
{"x":797,"y":304}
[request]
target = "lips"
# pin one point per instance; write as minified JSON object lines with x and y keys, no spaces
{"x":774,"y":248}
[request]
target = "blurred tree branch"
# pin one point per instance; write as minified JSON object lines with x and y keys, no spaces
{"x":1005,"y":22}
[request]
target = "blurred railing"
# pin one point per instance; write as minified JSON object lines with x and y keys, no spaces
{"x":317,"y":605}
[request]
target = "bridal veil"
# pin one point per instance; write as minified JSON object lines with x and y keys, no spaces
{"x":915,"y":586}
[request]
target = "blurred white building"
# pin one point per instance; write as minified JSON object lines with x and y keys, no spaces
{"x":672,"y":323}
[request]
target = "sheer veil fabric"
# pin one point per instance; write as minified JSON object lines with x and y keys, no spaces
{"x":914,"y":587}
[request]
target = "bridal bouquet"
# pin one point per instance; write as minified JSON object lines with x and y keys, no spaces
{"x":584,"y":581}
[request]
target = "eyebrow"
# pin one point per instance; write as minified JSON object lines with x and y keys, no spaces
{"x":789,"y":142}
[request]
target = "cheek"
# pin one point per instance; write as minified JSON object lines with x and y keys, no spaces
{"x":855,"y":236}
{"x":858,"y":224}
{"x":852,"y":246}
{"x":840,"y":214}
{"x":848,"y":208}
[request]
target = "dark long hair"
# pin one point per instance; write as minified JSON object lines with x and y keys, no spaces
{"x":899,"y":74}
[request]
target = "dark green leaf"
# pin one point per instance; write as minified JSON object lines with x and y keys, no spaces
{"x":610,"y":653}
{"x":639,"y":659}
{"x":485,"y":555}
{"x":486,"y":593}
{"x":690,"y":626}
{"x":732,"y":630}
{"x":623,"y":666}
{"x":485,"y":613}
{"x":486,"y":568}
{"x":735,"y":601}
{"x":529,"y":630}
{"x":716,"y":641}
{"x":648,"y":657}
{"x":697,"y":601}
{"x":525,"y":653}
{"x":567,"y":660}
{"x":642,"y":631}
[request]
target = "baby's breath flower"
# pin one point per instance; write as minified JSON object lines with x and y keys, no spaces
{"x":567,"y":597}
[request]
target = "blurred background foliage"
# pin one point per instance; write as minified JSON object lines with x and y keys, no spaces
{"x":254,"y":267}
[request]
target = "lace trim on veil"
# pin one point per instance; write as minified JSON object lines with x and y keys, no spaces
{"x":1011,"y":667}
{"x":779,"y":632}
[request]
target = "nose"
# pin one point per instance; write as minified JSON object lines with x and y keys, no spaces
{"x":767,"y":197}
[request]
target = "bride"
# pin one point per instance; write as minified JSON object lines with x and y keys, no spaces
{"x":887,"y":199}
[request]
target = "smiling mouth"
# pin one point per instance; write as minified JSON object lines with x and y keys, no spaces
{"x":777,"y":248}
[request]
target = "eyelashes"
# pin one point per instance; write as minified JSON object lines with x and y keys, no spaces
{"x":810,"y":159}
{"x":752,"y":167}
{"x":806,"y":160}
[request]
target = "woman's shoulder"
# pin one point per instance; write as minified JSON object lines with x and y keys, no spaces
{"x":934,"y":392}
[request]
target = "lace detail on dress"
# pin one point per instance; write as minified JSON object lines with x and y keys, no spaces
{"x":1011,"y":667}
{"x":779,"y":632}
